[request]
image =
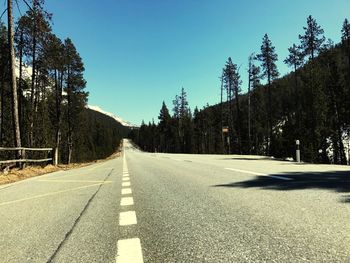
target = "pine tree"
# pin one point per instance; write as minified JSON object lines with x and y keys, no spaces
{"x":55,"y":62}
{"x":13,"y":80}
{"x":295,"y":59}
{"x":268,"y":58}
{"x":4,"y":68}
{"x":312,"y":40}
{"x":233,"y":82}
{"x":345,"y":30}
{"x":311,"y":44}
{"x":38,"y":23}
{"x":253,"y":82}
{"x":164,"y":128}
{"x":76,"y":96}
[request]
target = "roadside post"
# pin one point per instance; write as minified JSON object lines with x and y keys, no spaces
{"x":225,"y":130}
{"x":297,"y":154}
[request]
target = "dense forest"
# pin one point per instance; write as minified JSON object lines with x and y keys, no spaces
{"x":42,"y":91}
{"x":311,"y":104}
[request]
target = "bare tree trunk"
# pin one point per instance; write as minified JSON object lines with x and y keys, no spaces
{"x":222,"y":114}
{"x":70,"y":133}
{"x":239,"y":122}
{"x":269,"y":121}
{"x":58,"y":85}
{"x":32,"y":93}
{"x":20,"y":82}
{"x":2,"y":107}
{"x":17,"y":133}
{"x":2,"y":86}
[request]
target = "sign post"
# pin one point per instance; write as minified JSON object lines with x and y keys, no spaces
{"x":297,"y":154}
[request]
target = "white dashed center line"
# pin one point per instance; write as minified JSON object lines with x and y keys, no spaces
{"x":126,"y":191}
{"x":129,"y":251}
{"x":127,"y":201}
{"x":124,"y":184}
{"x":127,"y":218}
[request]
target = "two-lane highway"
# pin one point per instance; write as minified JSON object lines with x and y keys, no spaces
{"x":151,"y":207}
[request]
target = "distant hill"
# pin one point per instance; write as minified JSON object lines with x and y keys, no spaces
{"x":100,"y":136}
{"x":115,"y":117}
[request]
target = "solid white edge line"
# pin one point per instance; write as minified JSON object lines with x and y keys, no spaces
{"x":260,"y":174}
{"x":129,"y":251}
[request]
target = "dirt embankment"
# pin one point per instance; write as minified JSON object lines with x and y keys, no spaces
{"x":15,"y":174}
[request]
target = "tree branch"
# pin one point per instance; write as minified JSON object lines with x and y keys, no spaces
{"x":3,"y":13}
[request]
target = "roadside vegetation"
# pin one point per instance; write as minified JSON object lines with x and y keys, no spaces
{"x":46,"y":104}
{"x":310,"y":104}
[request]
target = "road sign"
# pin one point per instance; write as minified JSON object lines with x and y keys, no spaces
{"x":225,"y":129}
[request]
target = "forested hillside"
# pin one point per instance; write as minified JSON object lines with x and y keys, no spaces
{"x":43,"y":100}
{"x":311,"y":104}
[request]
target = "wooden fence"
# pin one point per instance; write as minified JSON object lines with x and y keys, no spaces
{"x":23,"y":158}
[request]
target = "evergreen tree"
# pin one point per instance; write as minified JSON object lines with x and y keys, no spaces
{"x":233,"y":84}
{"x":295,"y":60}
{"x":35,"y":25}
{"x":345,"y":30}
{"x":311,"y":43}
{"x":253,"y":82}
{"x":268,"y":58}
{"x":312,"y":40}
{"x":76,"y":96}
{"x":164,"y":128}
{"x":55,"y":62}
{"x":13,"y":80}
{"x":4,"y":75}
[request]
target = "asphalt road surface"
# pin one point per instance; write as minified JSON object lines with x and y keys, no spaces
{"x":151,"y":207}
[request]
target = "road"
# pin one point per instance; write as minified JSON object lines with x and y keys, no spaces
{"x":151,"y":207}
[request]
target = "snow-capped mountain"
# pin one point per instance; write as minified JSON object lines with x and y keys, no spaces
{"x":118,"y":119}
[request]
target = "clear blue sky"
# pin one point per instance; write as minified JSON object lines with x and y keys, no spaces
{"x":138,"y":53}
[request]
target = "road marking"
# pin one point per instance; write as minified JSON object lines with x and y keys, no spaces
{"x":126,"y":201}
{"x":96,"y":166}
{"x":129,"y":251}
{"x":127,"y":218}
{"x":244,"y":171}
{"x":126,"y":191}
{"x":260,"y":174}
{"x":280,"y":177}
{"x":125,"y":184}
{"x":48,"y":194}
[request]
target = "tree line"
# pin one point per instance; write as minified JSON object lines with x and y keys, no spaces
{"x":42,"y":91}
{"x":310,"y":104}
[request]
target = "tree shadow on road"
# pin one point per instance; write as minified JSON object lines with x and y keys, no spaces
{"x":337,"y":181}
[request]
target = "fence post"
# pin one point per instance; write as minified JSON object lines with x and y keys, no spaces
{"x":55,"y":156}
{"x":23,"y":156}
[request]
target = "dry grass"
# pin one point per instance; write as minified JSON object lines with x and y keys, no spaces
{"x":16,"y":174}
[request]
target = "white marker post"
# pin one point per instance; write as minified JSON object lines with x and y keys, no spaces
{"x":297,"y":154}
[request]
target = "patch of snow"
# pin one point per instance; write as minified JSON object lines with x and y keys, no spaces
{"x":117,"y":118}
